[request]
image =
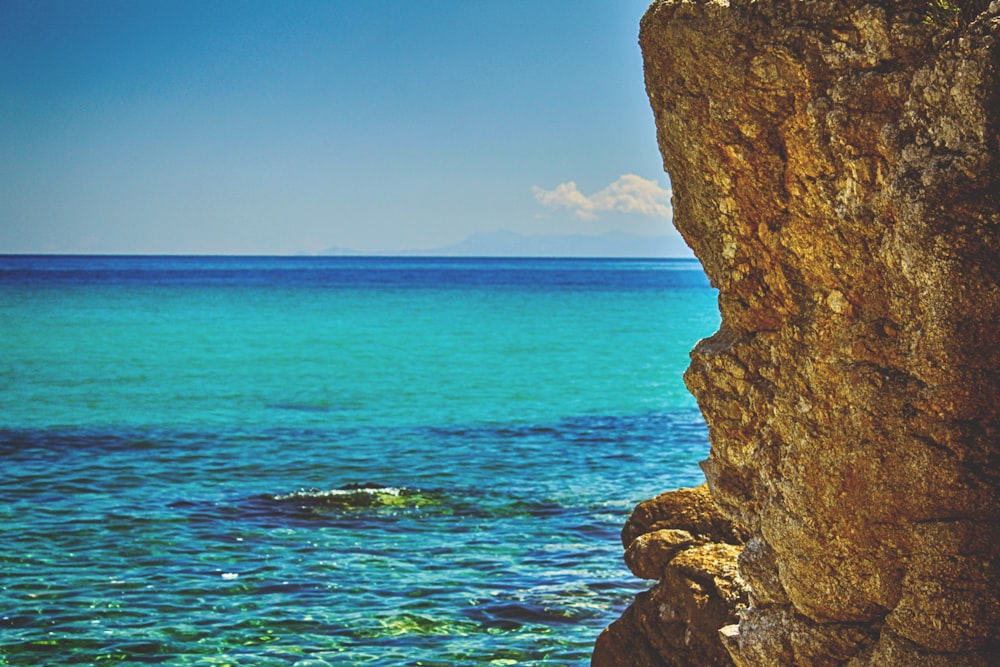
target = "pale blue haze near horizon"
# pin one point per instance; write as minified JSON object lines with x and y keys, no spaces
{"x":278,"y":128}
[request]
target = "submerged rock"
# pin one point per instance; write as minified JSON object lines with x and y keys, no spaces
{"x":836,"y":168}
{"x":355,"y":496}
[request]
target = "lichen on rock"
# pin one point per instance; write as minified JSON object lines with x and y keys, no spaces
{"x":836,"y":168}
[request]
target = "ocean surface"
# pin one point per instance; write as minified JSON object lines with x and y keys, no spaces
{"x":333,"y":461}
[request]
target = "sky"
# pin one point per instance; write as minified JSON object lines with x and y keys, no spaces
{"x":268,"y":127}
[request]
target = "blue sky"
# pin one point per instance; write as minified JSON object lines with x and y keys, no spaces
{"x":243,"y":126}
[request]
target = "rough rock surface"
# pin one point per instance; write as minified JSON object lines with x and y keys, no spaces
{"x":836,"y":168}
{"x":681,"y":539}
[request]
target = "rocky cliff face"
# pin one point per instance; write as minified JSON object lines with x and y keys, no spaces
{"x":836,"y":168}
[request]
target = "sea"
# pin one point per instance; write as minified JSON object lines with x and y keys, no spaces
{"x":313,"y":461}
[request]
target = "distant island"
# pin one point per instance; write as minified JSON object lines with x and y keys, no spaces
{"x":512,"y":244}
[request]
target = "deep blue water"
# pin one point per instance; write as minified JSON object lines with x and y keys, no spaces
{"x":385,"y":461}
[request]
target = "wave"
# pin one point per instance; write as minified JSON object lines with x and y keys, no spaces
{"x":357,"y":496}
{"x":301,"y":407}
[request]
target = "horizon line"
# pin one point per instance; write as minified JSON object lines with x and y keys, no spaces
{"x":351,"y":255}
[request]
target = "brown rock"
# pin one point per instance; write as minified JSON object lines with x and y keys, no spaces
{"x":836,"y":168}
{"x":677,"y":622}
{"x":691,"y":510}
{"x":650,"y":552}
{"x":681,"y":539}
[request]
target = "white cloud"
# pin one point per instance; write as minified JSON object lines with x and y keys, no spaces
{"x":629,"y":194}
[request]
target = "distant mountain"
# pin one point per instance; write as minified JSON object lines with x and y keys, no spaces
{"x":337,"y":250}
{"x":512,"y":244}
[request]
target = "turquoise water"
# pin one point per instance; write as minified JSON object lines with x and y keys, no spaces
{"x":280,"y":461}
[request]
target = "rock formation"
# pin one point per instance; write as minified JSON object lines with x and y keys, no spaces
{"x":836,"y":168}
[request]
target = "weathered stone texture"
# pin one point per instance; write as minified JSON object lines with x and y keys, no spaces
{"x":681,"y":539}
{"x":836,"y":168}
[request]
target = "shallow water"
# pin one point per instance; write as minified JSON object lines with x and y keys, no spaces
{"x":274,"y":461}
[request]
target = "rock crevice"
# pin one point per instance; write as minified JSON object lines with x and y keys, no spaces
{"x":836,"y":168}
